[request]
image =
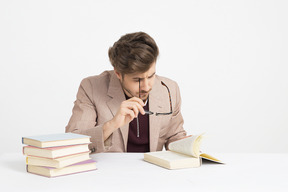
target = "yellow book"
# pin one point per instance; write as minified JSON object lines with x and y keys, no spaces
{"x":82,"y":166}
{"x":57,"y":162}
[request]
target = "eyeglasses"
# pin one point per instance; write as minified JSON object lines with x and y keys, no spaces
{"x":150,"y":112}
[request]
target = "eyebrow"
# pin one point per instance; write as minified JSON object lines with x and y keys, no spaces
{"x":136,"y":78}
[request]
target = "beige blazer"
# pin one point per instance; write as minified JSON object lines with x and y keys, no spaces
{"x":98,"y":100}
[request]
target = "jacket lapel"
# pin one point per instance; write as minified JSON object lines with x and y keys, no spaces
{"x":116,"y":93}
{"x":157,"y":103}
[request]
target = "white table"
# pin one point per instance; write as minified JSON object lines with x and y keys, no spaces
{"x":128,"y":172}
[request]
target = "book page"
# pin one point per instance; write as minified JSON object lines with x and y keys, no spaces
{"x":188,"y":146}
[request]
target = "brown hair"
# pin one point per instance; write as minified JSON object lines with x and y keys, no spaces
{"x":133,"y":52}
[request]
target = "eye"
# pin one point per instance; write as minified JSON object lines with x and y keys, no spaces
{"x":151,"y":76}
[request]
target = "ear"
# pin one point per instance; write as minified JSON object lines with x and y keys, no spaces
{"x":119,"y":75}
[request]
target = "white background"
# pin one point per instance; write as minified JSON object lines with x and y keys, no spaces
{"x":228,"y":57}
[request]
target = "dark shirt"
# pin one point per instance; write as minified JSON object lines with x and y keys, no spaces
{"x":141,"y":143}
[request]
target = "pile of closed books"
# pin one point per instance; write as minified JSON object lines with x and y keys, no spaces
{"x":58,"y":154}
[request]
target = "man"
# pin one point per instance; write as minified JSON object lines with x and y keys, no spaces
{"x":129,"y":109}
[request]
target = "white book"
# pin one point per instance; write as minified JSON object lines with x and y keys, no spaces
{"x":183,"y":153}
{"x":172,"y":160}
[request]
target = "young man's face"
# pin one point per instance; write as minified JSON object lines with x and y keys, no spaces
{"x":130,"y":82}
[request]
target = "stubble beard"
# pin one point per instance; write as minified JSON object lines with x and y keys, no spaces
{"x":137,"y":94}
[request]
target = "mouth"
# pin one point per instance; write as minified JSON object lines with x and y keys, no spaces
{"x":144,"y":95}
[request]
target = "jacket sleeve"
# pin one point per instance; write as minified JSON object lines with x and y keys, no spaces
{"x":176,"y":130}
{"x":84,"y":118}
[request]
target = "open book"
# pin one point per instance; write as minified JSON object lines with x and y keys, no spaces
{"x":183,"y":153}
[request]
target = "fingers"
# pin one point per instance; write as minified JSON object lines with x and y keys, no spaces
{"x":129,"y":113}
{"x":128,"y":110}
{"x":138,"y":100}
{"x":134,"y":105}
{"x":185,"y":137}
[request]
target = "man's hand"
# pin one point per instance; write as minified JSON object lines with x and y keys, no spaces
{"x":128,"y":110}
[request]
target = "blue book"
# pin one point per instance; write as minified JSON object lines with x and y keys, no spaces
{"x":55,"y":140}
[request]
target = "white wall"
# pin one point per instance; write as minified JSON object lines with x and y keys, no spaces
{"x":229,"y":58}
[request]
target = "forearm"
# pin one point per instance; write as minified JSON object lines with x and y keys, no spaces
{"x":108,"y":128}
{"x":95,"y":132}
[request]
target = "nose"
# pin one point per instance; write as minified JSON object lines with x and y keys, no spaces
{"x":145,"y":85}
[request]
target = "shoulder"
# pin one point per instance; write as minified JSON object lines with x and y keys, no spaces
{"x":98,"y":79}
{"x":97,"y":83}
{"x":104,"y":76}
{"x":171,"y":84}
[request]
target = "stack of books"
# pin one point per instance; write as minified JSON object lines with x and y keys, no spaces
{"x":58,"y":154}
